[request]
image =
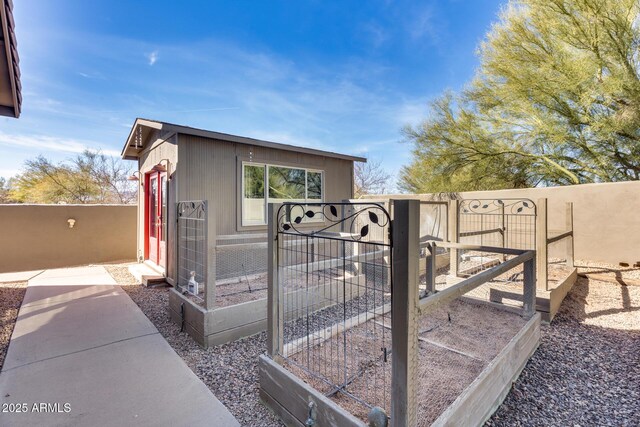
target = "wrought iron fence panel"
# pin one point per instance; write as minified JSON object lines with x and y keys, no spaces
{"x":506,"y":223}
{"x":334,"y":273}
{"x":192,"y":247}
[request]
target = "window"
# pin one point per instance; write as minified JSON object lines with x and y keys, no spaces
{"x":253,"y":208}
{"x":285,"y":184}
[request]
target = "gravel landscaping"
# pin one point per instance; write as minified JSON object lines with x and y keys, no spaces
{"x":586,"y":371}
{"x":230,"y":371}
{"x":11,"y":295}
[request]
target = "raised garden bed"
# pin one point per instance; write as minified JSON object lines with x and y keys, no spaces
{"x":244,"y":313}
{"x":468,"y":356}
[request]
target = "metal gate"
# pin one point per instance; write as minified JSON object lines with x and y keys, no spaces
{"x":334,"y":300}
{"x":192,"y":247}
{"x":509,"y":223}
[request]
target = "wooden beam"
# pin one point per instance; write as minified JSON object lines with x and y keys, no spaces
{"x":292,"y":394}
{"x":453,"y":292}
{"x":529,"y":292}
{"x":479,"y":248}
{"x":406,"y":235}
{"x":570,"y":242}
{"x":431,"y":269}
{"x":452,"y":225}
{"x":560,"y":236}
{"x":482,"y":232}
{"x":541,"y":246}
{"x":210,"y":267}
{"x":274,"y":294}
{"x":336,"y":262}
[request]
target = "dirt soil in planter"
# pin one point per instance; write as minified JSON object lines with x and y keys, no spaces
{"x":456,"y":343}
{"x":255,"y":287}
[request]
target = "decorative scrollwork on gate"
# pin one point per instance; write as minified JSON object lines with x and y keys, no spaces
{"x":192,"y":209}
{"x":358,"y":219}
{"x":495,"y":206}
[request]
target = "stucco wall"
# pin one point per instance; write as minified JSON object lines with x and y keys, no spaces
{"x":606,"y":216}
{"x":33,"y":237}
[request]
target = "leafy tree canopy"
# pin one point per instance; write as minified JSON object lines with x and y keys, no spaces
{"x":555,"y":101}
{"x":90,"y":177}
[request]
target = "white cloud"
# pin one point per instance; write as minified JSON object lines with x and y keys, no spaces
{"x":425,"y":25}
{"x":8,"y":172}
{"x":51,"y":144}
{"x":152,"y":57}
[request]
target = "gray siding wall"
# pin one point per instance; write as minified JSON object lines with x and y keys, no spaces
{"x":207,"y":169}
{"x":212,"y":172}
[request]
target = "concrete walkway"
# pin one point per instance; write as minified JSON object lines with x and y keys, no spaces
{"x":82,"y":346}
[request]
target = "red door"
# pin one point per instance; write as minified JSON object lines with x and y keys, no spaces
{"x":156,"y":211}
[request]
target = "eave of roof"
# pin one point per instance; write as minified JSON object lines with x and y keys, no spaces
{"x":10,"y":55}
{"x":130,"y":152}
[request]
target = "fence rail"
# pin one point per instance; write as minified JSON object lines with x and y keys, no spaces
{"x":527,"y":258}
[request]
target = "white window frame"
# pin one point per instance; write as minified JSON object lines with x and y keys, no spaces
{"x":266,"y":197}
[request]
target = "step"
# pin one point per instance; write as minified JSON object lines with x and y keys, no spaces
{"x":154,"y":281}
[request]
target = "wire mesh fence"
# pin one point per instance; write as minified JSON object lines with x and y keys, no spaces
{"x":335,"y":281}
{"x":192,"y":248}
{"x":505,"y":223}
{"x":241,"y":256}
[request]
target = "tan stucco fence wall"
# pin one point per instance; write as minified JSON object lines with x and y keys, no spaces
{"x":34,"y":237}
{"x":606,"y":216}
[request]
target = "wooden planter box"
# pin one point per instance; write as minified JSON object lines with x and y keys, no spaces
{"x":225,"y":324}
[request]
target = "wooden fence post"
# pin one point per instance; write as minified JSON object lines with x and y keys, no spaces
{"x":453,"y":236}
{"x":275,"y":318}
{"x":211,"y":242}
{"x":431,"y":267}
{"x":541,"y":245}
{"x":503,"y":231}
{"x":570,"y":241}
{"x":529,"y":292}
{"x":404,"y":310}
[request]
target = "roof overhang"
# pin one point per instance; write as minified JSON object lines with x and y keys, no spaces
{"x":10,"y":87}
{"x":142,"y":128}
{"x":138,"y":137}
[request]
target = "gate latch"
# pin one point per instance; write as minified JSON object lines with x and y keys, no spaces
{"x":311,"y":421}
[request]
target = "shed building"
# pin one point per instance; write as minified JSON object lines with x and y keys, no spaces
{"x":230,"y":179}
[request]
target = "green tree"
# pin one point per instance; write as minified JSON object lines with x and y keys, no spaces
{"x":4,"y":191}
{"x":556,"y":100}
{"x":90,"y":177}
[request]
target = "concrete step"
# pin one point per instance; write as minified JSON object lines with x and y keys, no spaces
{"x":154,"y":281}
{"x":147,"y":275}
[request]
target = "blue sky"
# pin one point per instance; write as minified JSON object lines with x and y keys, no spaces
{"x":343,"y":75}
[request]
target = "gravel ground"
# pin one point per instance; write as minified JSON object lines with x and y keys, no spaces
{"x":230,"y":371}
{"x":591,"y":267}
{"x":586,"y":371}
{"x":11,"y":295}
